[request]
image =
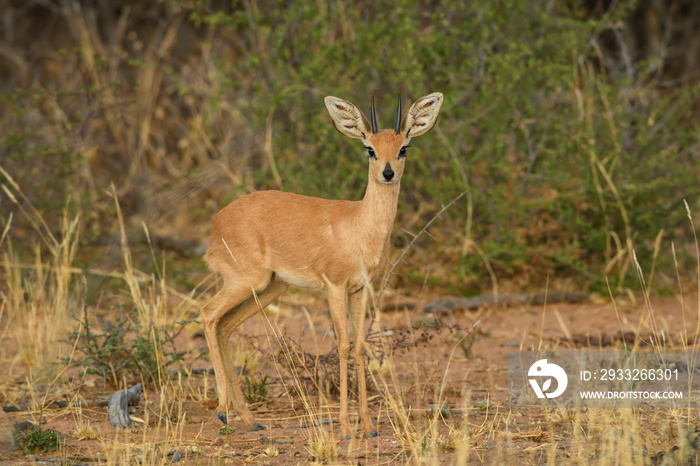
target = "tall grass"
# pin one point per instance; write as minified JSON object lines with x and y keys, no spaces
{"x":572,"y":172}
{"x":185,"y":105}
{"x":38,"y":297}
{"x":423,"y":427}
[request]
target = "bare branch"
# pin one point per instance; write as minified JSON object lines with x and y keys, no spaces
{"x":415,"y":237}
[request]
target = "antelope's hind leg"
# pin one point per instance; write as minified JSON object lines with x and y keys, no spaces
{"x":230,"y":322}
{"x":223,"y":302}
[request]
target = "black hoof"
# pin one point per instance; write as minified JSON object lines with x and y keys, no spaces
{"x":176,"y":455}
{"x":256,"y":427}
{"x":222,"y":417}
{"x":374,"y":433}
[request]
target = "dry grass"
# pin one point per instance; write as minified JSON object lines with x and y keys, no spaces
{"x":43,"y":282}
{"x":323,"y":448}
{"x":85,"y":431}
{"x":38,"y":298}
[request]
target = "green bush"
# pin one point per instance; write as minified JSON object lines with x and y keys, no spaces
{"x":36,"y":439}
{"x":569,"y":157}
{"x":558,"y":156}
{"x":127,"y":348}
{"x":256,"y":390}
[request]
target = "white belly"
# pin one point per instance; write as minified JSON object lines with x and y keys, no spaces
{"x":297,"y":279}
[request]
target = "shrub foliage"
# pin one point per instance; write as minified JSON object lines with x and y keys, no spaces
{"x":576,"y":141}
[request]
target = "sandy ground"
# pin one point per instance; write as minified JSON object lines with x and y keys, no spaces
{"x":474,"y":384}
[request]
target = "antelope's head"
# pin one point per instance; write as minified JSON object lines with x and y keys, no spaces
{"x":386,"y":147}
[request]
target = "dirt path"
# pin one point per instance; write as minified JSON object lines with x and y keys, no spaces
{"x":468,"y":381}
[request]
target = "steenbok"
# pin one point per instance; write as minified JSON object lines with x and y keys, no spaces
{"x":268,"y":240}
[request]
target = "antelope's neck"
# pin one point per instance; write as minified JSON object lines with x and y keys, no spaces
{"x":376,"y":218}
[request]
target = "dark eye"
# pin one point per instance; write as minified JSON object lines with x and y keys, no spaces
{"x":402,"y":152}
{"x":371,"y":153}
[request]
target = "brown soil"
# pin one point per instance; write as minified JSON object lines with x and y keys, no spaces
{"x":475,"y":385}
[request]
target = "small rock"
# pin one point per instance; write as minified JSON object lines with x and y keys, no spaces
{"x":256,"y":427}
{"x":321,"y":422}
{"x":24,"y":426}
{"x":176,"y":455}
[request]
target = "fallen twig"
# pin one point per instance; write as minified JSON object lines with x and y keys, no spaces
{"x":415,"y":237}
{"x":452,"y":303}
{"x":423,"y":230}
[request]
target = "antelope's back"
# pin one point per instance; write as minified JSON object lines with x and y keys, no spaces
{"x":280,"y":231}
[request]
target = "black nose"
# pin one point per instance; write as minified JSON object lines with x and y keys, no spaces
{"x":388,"y":172}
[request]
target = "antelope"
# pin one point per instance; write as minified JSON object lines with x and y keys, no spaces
{"x":266,"y":241}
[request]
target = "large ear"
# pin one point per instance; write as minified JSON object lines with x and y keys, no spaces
{"x":422,"y":115}
{"x":347,"y":118}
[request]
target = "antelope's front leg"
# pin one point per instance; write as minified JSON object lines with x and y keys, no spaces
{"x":358,"y":309}
{"x":338,"y":301}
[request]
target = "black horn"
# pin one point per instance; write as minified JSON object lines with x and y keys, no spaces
{"x":373,"y":116}
{"x":398,"y":116}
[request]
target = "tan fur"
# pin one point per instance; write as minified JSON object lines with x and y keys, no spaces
{"x":267,"y":240}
